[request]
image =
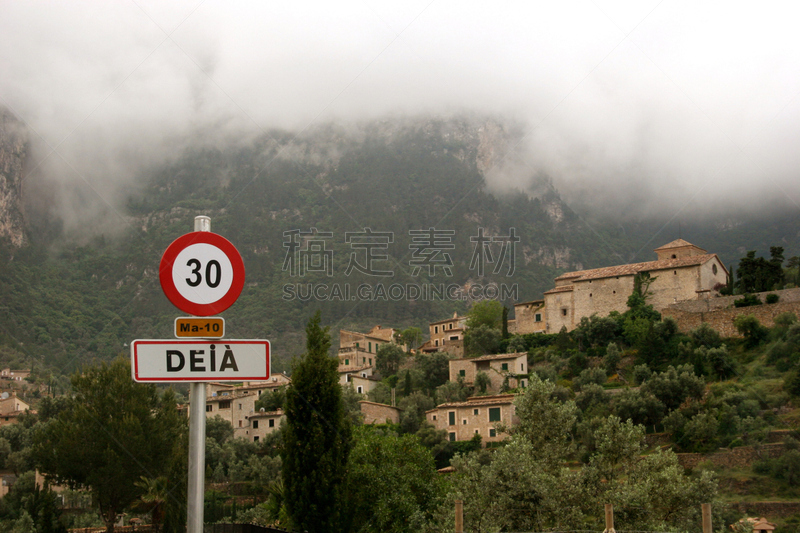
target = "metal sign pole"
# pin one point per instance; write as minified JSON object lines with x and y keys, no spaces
{"x":197,"y":437}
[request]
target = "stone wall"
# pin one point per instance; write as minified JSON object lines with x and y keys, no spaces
{"x":719,"y":313}
{"x":770,"y":510}
{"x":742,"y":456}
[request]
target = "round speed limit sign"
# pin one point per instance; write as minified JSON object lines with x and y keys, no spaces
{"x":202,"y":273}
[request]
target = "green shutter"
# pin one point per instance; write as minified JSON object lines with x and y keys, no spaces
{"x":494,"y":414}
{"x":452,"y":418}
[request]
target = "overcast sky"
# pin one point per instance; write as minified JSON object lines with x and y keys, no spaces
{"x":669,"y":106}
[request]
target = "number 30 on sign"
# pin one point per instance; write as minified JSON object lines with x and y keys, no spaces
{"x":202,"y":273}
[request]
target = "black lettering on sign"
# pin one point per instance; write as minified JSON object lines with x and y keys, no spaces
{"x":184,"y":328}
{"x":195,"y":361}
{"x":172,"y":365}
{"x":228,"y":360}
{"x":213,"y":357}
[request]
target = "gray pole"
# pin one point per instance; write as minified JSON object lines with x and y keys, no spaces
{"x":197,"y":437}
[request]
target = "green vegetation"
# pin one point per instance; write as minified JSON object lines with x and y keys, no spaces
{"x":316,"y":439}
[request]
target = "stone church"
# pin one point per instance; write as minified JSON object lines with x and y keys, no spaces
{"x":682,"y":272}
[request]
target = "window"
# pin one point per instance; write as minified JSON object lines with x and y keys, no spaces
{"x":240,"y":407}
{"x":714,"y":269}
{"x":564,"y":312}
{"x":434,"y":417}
{"x":272,"y":422}
{"x":356,"y":345}
{"x":538,"y":317}
{"x":240,"y":423}
{"x":674,"y":256}
{"x":451,"y":325}
{"x":464,"y":422}
{"x":494,"y":414}
{"x":370,"y":360}
{"x":476,"y":411}
{"x":462,"y":373}
{"x":452,"y":437}
{"x":492,"y":432}
{"x":225,"y":404}
{"x":590,"y":295}
{"x":347,"y":362}
{"x":436,"y":342}
{"x":504,"y":366}
{"x":522,"y":383}
{"x":522,"y":367}
{"x":436,"y":329}
{"x":453,"y":337}
{"x":451,"y":418}
{"x":360,"y":390}
{"x":255,"y":424}
{"x":363,"y":360}
{"x":255,"y":439}
{"x":209,"y":408}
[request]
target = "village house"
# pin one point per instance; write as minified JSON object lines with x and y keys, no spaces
{"x":232,"y":405}
{"x":379,"y":413}
{"x":259,"y":424}
{"x":479,"y":415}
{"x":14,"y":375}
{"x":11,"y":407}
{"x":446,"y":336}
{"x":529,"y":317}
{"x":505,"y":370}
{"x":682,"y":271}
{"x":357,"y":353}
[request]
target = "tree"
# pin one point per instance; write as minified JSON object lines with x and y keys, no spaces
{"x":410,"y":337}
{"x":392,"y":482}
{"x":482,"y":340}
{"x":388,"y":359}
{"x":317,"y":437}
{"x":485,"y":313}
{"x":756,"y":274}
{"x":674,"y":385}
{"x":115,"y":431}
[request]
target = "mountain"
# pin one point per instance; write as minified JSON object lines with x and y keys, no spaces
{"x":69,"y":300}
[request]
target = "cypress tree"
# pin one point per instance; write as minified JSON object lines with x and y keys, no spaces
{"x":317,"y":438}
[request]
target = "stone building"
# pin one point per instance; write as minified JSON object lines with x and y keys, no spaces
{"x":378,"y":413}
{"x":14,"y":375}
{"x":259,"y":424}
{"x":479,"y":415}
{"x":505,"y":369}
{"x":682,"y":271}
{"x":11,"y":407}
{"x":232,"y":405}
{"x":529,"y":317}
{"x":447,"y":336}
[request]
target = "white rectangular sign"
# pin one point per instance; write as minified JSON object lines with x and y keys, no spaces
{"x":200,"y":360}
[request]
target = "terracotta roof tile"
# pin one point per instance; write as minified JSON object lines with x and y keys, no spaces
{"x":500,"y":399}
{"x":677,"y":243}
{"x":563,"y":288}
{"x":634,"y":268}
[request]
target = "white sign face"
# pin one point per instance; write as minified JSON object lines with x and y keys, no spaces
{"x":202,"y":273}
{"x":200,"y":360}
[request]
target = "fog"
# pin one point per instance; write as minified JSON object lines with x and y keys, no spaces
{"x":647,"y":107}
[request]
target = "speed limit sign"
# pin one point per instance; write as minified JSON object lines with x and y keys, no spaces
{"x":202,"y":273}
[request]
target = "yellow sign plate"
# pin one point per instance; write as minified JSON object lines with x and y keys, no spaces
{"x":199,"y":328}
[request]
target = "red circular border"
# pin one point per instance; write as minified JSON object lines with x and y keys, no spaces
{"x":168,"y":285}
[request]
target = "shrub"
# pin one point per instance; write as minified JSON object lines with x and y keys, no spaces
{"x":772,"y":298}
{"x":752,"y":330}
{"x":747,"y":300}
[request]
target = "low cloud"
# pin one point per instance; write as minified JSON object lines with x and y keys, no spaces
{"x":640,"y":107}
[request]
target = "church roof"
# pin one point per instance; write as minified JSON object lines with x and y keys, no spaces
{"x":677,"y":243}
{"x":632,"y":269}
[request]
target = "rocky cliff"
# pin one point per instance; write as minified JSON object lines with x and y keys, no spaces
{"x":13,"y":148}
